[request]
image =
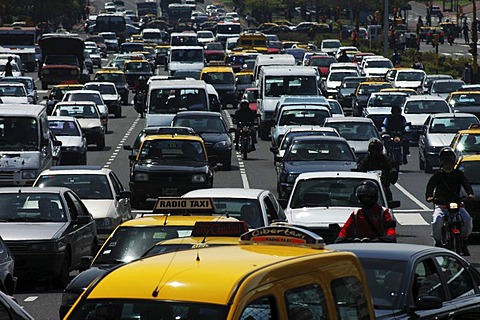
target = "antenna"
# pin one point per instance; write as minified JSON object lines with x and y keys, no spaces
{"x":165,"y":221}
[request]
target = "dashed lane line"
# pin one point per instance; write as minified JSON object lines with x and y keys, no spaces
{"x":120,"y":144}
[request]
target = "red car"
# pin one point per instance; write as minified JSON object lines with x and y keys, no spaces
{"x":322,"y":63}
{"x":251,"y":94}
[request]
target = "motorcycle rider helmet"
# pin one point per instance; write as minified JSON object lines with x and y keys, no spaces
{"x":367,"y":193}
{"x":396,"y":109}
{"x":244,"y":103}
{"x":447,"y":156}
{"x":375,"y":146}
{"x":141,"y":79}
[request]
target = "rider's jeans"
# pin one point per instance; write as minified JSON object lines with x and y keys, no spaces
{"x":437,"y":222}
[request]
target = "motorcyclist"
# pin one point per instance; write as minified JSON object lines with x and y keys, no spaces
{"x":396,"y":122}
{"x":245,"y":116}
{"x":377,"y":160}
{"x":141,"y":88}
{"x":444,"y":187}
{"x":370,"y":223}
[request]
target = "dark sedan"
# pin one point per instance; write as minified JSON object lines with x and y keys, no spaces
{"x":409,"y":281}
{"x":310,"y":154}
{"x":48,"y":231}
{"x":213,"y":129}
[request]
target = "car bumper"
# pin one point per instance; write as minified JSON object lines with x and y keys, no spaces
{"x":72,"y":157}
{"x":93,"y":137}
{"x":147,"y":190}
{"x":38,"y":266}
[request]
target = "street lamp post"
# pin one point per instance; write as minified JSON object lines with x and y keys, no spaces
{"x":385,"y":28}
{"x":474,"y":43}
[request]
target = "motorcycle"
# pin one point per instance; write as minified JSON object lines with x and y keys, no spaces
{"x":394,"y":146}
{"x":245,"y":139}
{"x":139,"y":102}
{"x":451,"y":39}
{"x":452,"y":224}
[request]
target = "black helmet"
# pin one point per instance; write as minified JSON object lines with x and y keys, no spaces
{"x":375,"y":146}
{"x":447,"y":155}
{"x":396,"y":108}
{"x":367,"y":193}
{"x":244,"y":103}
{"x":141,"y":79}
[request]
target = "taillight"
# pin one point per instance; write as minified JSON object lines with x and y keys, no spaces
{"x":429,"y":34}
{"x":441,"y":34}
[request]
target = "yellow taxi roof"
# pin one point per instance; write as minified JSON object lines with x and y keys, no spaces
{"x":244,"y":73}
{"x":171,"y":220}
{"x":162,"y":46}
{"x":397,"y":90}
{"x":470,"y":131}
{"x":109,"y":71}
{"x":68,"y":85}
{"x":183,"y":275}
{"x":136,"y":61}
{"x":373,"y":83}
{"x":463,"y":92}
{"x":217,"y":69}
{"x":201,"y":240}
{"x":172,"y":137}
{"x":469,"y":158}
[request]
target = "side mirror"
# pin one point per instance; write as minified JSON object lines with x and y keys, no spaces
{"x":132,"y":157}
{"x":428,"y":303}
{"x":283,"y":203}
{"x":83,"y":219}
{"x":85,"y":262}
{"x":274,"y":149}
{"x":232,"y":130}
{"x":127,"y":147}
{"x":124,"y":194}
{"x":57,"y":143}
{"x":278,"y":159}
{"x":393,"y":204}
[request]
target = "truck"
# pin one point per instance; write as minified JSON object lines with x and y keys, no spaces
{"x":147,"y":7}
{"x":62,"y":59}
{"x":20,"y":41}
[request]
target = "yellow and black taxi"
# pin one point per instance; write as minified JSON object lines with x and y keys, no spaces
{"x":133,"y":238}
{"x":392,"y":72}
{"x":363,"y":91}
{"x":465,"y":101}
{"x":409,"y":281}
{"x":169,"y":165}
{"x":408,"y":91}
{"x":161,"y":53}
{"x":435,"y":31}
{"x":118,"y":78}
{"x":222,"y":79}
{"x":56,"y":93}
{"x":253,"y":41}
{"x":276,"y":272}
{"x":470,"y":165}
{"x":134,"y":69}
{"x":467,"y":142}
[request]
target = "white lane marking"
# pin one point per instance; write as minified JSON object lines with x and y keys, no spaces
{"x":241,"y":164}
{"x":411,"y":197}
{"x":120,"y":144}
{"x":30,"y":299}
{"x":411,"y":210}
{"x":410,"y":219}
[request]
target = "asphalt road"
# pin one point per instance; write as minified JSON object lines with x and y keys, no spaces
{"x":258,"y":171}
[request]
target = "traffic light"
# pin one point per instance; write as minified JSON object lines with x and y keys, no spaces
{"x":473,"y":49}
{"x":435,"y":39}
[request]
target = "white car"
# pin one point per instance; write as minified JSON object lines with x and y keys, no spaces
{"x":376,"y":67}
{"x":110,"y":96}
{"x":344,"y":66}
{"x":334,"y":80}
{"x":379,"y":106}
{"x":330,"y":46}
{"x":344,"y":48}
{"x":69,"y":132}
{"x":90,"y":95}
{"x":100,"y":190}
{"x":322,"y":201}
{"x":111,"y":40}
{"x":257,"y":207}
{"x":409,"y":78}
{"x":13,"y":93}
{"x":205,"y":36}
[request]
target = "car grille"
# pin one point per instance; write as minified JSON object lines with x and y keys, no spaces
{"x":170,"y":177}
{"x":16,"y":247}
{"x":6,"y":175}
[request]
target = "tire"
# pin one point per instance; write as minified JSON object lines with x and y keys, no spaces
{"x":421,"y":164}
{"x":101,"y":144}
{"x":428,"y":167}
{"x":118,"y":113}
{"x":263,"y":133}
{"x":456,"y":244}
{"x":227,"y":166}
{"x":125,"y":100}
{"x":83,"y":160}
{"x":44,"y":85}
{"x":62,"y":279}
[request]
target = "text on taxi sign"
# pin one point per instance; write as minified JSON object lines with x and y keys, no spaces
{"x":184,"y":204}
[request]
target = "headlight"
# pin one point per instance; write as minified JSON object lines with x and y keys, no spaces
{"x":105,"y":223}
{"x":69,"y":298}
{"x":29,"y":174}
{"x":292,"y":177}
{"x":141,"y":176}
{"x":199,"y":178}
{"x":43,"y":247}
{"x":74,"y":149}
{"x":222,"y":145}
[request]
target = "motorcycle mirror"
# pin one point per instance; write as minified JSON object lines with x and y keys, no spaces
{"x":232,"y":130}
{"x":274,"y":149}
{"x":393,"y":204}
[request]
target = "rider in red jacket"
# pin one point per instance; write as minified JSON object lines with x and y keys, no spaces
{"x":370,"y":223}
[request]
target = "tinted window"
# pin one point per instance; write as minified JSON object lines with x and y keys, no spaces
{"x":306,"y":302}
{"x":458,"y":279}
{"x":260,"y":309}
{"x":86,"y":186}
{"x":350,"y":300}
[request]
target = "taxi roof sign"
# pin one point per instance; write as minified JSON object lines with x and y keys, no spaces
{"x":281,"y":234}
{"x":219,"y":228}
{"x":185,"y":206}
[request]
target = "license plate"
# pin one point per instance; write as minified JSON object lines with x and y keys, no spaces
{"x":169,"y":191}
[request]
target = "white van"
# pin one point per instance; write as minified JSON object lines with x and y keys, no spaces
{"x":153,"y":35}
{"x":272,"y":60}
{"x":275,"y":81}
{"x":185,"y":58}
{"x":27,"y":145}
{"x":167,"y":97}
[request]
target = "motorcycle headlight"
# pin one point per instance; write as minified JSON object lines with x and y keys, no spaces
{"x":29,"y":174}
{"x":199,"y":178}
{"x":292,"y":177}
{"x":222,"y":145}
{"x":141,"y":176}
{"x":453,"y":206}
{"x":396,"y":139}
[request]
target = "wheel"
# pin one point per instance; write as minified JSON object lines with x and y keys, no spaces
{"x":245,"y":155}
{"x":83,"y":159}
{"x":428,"y":167}
{"x":421,"y":164}
{"x":62,"y":279}
{"x":263,"y":133}
{"x":125,"y":100}
{"x":44,"y":85}
{"x":118,"y":113}
{"x":457,"y":245}
{"x":227,"y":165}
{"x":101,"y":144}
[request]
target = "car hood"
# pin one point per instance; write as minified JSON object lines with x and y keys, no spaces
{"x":159,"y":119}
{"x":22,"y":100}
{"x":70,"y":141}
{"x":359,"y":146}
{"x":408,"y":84}
{"x":213,"y":137}
{"x":379,"y":111}
{"x":101,"y":208}
{"x":21,"y":231}
{"x":416,"y":119}
{"x":333,"y":84}
{"x":151,"y":165}
{"x":375,"y":71}
{"x":109,"y":97}
{"x":312,"y":166}
{"x":269,"y":104}
{"x":89,"y":123}
{"x":440,"y":139}
{"x":319,"y":216}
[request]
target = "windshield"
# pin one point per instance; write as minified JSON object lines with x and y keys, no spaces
{"x":68,"y":60}
{"x":303,"y":117}
{"x":275,"y":86}
{"x":468,"y":144}
{"x":467,"y":99}
{"x":446,"y":87}
{"x":287,"y":140}
{"x":229,"y":28}
{"x":386,"y":101}
{"x":109,"y":36}
{"x":355,"y":131}
{"x":430,"y":79}
{"x":172,"y":150}
{"x":419,"y":107}
{"x":138,"y":309}
{"x":31,"y":207}
{"x":18,"y":134}
{"x":64,"y":128}
{"x":102,"y":88}
{"x":174,"y":100}
{"x":77,"y":111}
{"x":331,"y":44}
{"x":335,"y":107}
{"x":111,"y":77}
{"x":319,"y":151}
{"x":379,"y":64}
{"x":186,"y":55}
{"x":239,"y":208}
{"x":80,"y":96}
{"x":470,"y":169}
{"x":410,"y":76}
{"x":338,"y":76}
{"x":451,"y":125}
{"x":367,"y":89}
{"x":27,"y":83}
{"x":130,"y":243}
{"x":218,"y":78}
{"x":337,"y":192}
{"x":92,"y":50}
{"x":12,"y":91}
{"x":86,"y":186}
{"x":322,"y":62}
{"x":201,"y":124}
{"x":137,"y":67}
